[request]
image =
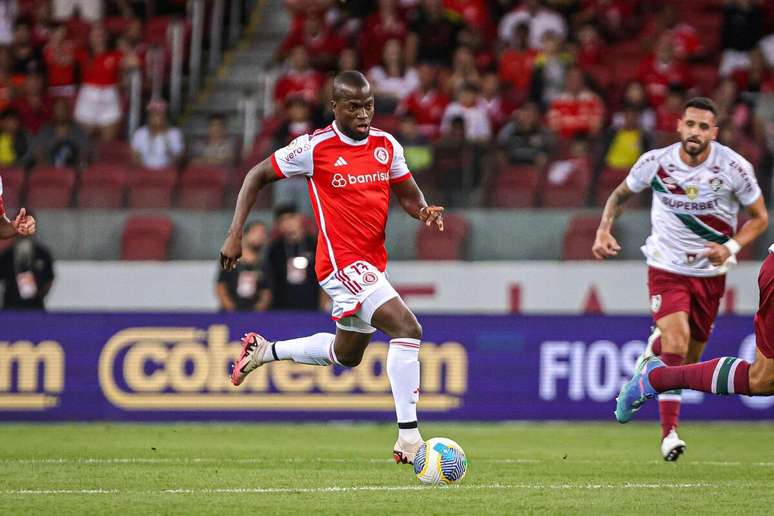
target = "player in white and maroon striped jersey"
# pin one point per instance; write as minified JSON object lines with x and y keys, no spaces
{"x":698,"y":185}
{"x":351,"y":170}
{"x":23,"y":224}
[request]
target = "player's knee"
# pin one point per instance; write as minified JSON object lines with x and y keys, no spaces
{"x":675,"y":340}
{"x":411,"y":329}
{"x":350,"y":358}
{"x":761,"y":381}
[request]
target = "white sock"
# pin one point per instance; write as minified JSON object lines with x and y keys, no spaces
{"x":403,"y":371}
{"x":316,"y":349}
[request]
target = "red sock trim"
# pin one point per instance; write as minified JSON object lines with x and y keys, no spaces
{"x":672,"y":359}
{"x":694,"y":376}
{"x":657,"y":346}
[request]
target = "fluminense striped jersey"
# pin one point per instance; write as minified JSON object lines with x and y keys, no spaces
{"x":692,"y":205}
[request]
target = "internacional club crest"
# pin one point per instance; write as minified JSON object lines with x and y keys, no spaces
{"x":381,"y":155}
{"x":338,"y":181}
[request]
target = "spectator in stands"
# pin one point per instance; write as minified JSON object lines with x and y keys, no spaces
{"x":59,"y":55}
{"x":499,"y":105}
{"x":623,"y":146}
{"x":218,"y":150}
{"x":589,"y":47}
{"x":469,"y":107}
{"x":635,"y":96}
{"x":615,"y":18}
{"x":525,"y":139}
{"x":298,"y":121}
{"x":463,"y":71}
{"x":391,"y":81}
{"x":322,"y":44}
{"x":578,"y":111}
{"x":517,"y":60}
{"x":9,"y":9}
{"x":27,"y":271}
{"x":42,"y":23}
{"x":540,"y":19}
{"x":662,"y":70}
{"x":246,"y":288}
{"x":61,"y":143}
{"x":380,"y":27}
{"x":6,"y":88}
{"x":551,"y":66}
{"x":427,"y":103}
{"x":670,"y":111}
{"x":89,"y":10}
{"x":33,"y":106}
{"x":98,"y":106}
{"x":26,"y":58}
{"x":14,"y":140}
{"x":290,"y":263}
{"x":416,"y":147}
{"x":157,"y":145}
{"x":731,"y":109}
{"x":742,"y":29}
{"x":684,"y":36}
{"x":300,"y":79}
{"x":433,"y":32}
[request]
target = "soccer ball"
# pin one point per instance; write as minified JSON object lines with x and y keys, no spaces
{"x":440,"y":461}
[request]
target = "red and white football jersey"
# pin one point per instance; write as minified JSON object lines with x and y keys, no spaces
{"x":349,"y":187}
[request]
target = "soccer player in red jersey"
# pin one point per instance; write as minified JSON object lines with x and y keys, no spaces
{"x":698,"y":185}
{"x":23,"y":224}
{"x":725,"y":375}
{"x":350,"y":168}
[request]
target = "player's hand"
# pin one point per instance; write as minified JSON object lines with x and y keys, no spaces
{"x":717,"y":253}
{"x":24,"y":224}
{"x":430,"y":214}
{"x":605,"y":245}
{"x":230,"y":252}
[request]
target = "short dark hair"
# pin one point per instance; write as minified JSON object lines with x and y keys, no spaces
{"x":703,"y":103}
{"x":285,"y":209}
{"x":220,"y":117}
{"x":250,"y":225}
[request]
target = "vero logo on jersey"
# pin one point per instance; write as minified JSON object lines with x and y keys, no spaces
{"x":340,"y":162}
{"x":340,"y":180}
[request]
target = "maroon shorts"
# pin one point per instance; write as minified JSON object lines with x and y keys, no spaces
{"x":764,"y":319}
{"x":699,"y":297}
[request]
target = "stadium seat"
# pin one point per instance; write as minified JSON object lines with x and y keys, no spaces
{"x":579,"y":237}
{"x":13,"y":183}
{"x":607,"y":181}
{"x":103,"y":186}
{"x":146,"y":238}
{"x":515,"y":186}
{"x":449,"y":244}
{"x":567,"y":184}
{"x":202,"y":188}
{"x":50,"y":188}
{"x":705,"y":77}
{"x":151,"y":188}
{"x":113,"y":153}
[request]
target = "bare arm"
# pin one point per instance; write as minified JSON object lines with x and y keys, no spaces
{"x":259,"y":176}
{"x":413,"y":202}
{"x":605,"y":245}
{"x":752,"y":229}
{"x":23,"y":224}
{"x":225,"y":301}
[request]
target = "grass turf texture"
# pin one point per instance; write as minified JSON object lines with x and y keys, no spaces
{"x":346,"y":469}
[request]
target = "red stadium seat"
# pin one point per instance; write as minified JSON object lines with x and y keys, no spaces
{"x":146,"y":238}
{"x":449,"y":244}
{"x":567,"y":184}
{"x":515,"y":186}
{"x":579,"y":237}
{"x":202,"y":188}
{"x":151,"y":188}
{"x":50,"y":188}
{"x":113,"y":153}
{"x":608,"y":180}
{"x":13,"y":183}
{"x":103,"y":186}
{"x":705,"y":77}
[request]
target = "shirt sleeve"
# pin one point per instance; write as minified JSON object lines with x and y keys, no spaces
{"x":176,"y":141}
{"x":642,"y":172}
{"x":398,"y":168}
{"x":744,"y":184}
{"x":295,"y":159}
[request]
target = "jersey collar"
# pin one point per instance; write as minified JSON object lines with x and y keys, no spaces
{"x":346,"y":139}
{"x":705,"y":163}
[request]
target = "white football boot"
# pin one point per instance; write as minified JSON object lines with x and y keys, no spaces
{"x":251,"y":357}
{"x":404,"y":451}
{"x":654,"y":334}
{"x":672,"y":446}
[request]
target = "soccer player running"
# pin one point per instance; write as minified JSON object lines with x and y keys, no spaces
{"x":697,"y":186}
{"x":350,"y":169}
{"x":23,"y":224}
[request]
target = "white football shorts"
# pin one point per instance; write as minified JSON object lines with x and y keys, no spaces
{"x":357,"y":291}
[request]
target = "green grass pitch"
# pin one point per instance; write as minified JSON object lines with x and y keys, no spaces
{"x":346,"y":469}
